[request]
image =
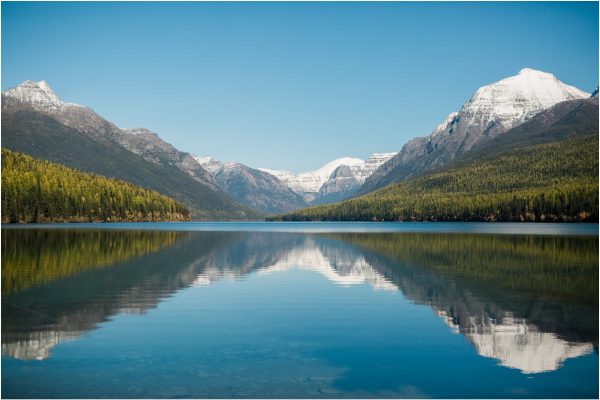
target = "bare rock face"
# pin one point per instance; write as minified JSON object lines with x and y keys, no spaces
{"x":492,"y":110}
{"x":151,"y":147}
{"x":252,"y":187}
{"x":42,"y":98}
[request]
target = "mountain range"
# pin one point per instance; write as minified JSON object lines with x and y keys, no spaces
{"x":334,"y":181}
{"x":253,"y":187}
{"x":543,"y":170}
{"x":37,"y":122}
{"x":492,"y":110}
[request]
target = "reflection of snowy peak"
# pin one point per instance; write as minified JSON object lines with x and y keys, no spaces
{"x":517,"y":344}
{"x":341,"y":269}
{"x":38,"y":345}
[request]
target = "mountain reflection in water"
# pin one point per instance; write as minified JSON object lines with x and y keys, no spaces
{"x":531,"y":302}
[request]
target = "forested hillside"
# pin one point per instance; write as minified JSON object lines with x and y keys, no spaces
{"x":555,"y":181}
{"x":40,"y":191}
{"x":28,"y":130}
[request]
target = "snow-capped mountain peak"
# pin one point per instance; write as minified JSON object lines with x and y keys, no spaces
{"x":338,"y":177}
{"x":38,"y":93}
{"x":311,"y":181}
{"x":326,"y":170}
{"x":210,"y":164}
{"x":514,"y":99}
{"x":492,"y":110}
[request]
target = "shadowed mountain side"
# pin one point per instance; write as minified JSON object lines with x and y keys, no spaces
{"x":565,"y":120}
{"x":38,"y":134}
{"x":257,"y":189}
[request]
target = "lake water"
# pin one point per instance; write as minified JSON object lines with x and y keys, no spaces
{"x":314,"y":310}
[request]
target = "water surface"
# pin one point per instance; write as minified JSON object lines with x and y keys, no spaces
{"x":330,"y":311}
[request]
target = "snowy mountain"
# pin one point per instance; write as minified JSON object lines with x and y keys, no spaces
{"x":38,"y":93}
{"x":345,"y":180}
{"x":41,"y":97}
{"x":252,"y":187}
{"x":308,"y":183}
{"x":35,"y":121}
{"x":492,"y":110}
{"x":334,"y":181}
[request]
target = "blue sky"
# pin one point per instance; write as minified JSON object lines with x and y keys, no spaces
{"x":290,"y":85}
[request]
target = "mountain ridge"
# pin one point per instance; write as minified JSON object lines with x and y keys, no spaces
{"x":77,"y":137}
{"x":252,"y":187}
{"x":492,"y":110}
{"x":543,"y":170}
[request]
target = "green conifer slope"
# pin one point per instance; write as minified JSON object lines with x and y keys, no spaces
{"x":40,"y":191}
{"x":545,"y":170}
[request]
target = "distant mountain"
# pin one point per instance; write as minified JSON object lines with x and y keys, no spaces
{"x":345,"y":180}
{"x":308,"y":183}
{"x":336,"y":180}
{"x":252,"y":187}
{"x":543,"y":170}
{"x":36,"y":122}
{"x":491,"y":111}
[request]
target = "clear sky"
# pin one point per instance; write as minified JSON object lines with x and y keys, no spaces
{"x":290,"y":85}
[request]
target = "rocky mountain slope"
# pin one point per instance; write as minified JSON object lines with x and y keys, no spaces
{"x":492,"y":110}
{"x":151,"y":147}
{"x":543,"y":170}
{"x":36,"y":122}
{"x":252,"y":187}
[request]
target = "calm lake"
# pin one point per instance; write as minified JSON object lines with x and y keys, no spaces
{"x":263,"y":310}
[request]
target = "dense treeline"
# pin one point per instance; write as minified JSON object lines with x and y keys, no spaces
{"x":34,"y":256}
{"x":564,"y":268}
{"x":41,"y":136}
{"x":549,"y":182}
{"x":40,"y":191}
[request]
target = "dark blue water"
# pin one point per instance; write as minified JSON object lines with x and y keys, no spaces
{"x":346,"y":312}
